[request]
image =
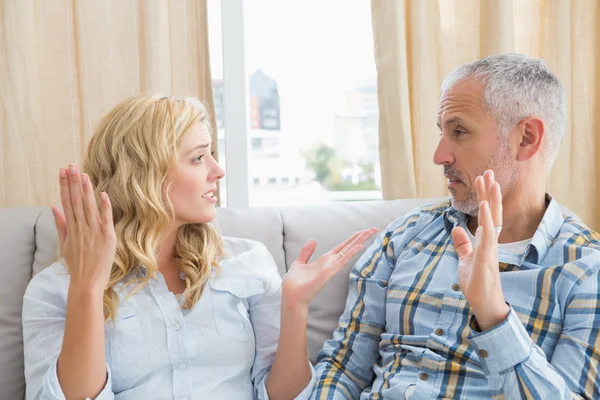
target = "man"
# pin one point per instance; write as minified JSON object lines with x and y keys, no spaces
{"x":439,"y":308}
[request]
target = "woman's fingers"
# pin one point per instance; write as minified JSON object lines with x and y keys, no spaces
{"x":108,"y":225}
{"x":307,"y":251}
{"x":76,"y":193}
{"x":340,"y":246}
{"x":65,"y":197}
{"x":89,"y":202}
{"x":339,"y":264}
{"x":359,"y":240}
{"x":61,"y":226}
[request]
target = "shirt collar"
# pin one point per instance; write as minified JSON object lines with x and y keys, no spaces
{"x":544,"y":236}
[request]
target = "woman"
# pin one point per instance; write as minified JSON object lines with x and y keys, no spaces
{"x":149,"y":302}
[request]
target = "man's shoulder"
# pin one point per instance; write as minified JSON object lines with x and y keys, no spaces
{"x":574,"y":231}
{"x":420,"y":217}
{"x":579,"y":247}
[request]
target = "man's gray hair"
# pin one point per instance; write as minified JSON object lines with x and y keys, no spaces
{"x":517,"y":86}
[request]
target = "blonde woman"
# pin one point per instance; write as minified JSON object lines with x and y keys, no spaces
{"x":149,"y":302}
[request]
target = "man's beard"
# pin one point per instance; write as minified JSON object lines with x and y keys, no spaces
{"x":505,"y":173}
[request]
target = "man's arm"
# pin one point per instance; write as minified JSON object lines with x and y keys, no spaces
{"x":514,"y":366}
{"x":520,"y":370}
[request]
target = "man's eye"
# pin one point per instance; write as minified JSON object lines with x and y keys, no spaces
{"x":459,"y":132}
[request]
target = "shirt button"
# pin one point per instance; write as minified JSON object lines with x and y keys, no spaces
{"x":439,"y":331}
{"x":176,"y":326}
{"x":181,"y":365}
{"x":456,"y":287}
{"x":424,"y":376}
{"x":483,"y":353}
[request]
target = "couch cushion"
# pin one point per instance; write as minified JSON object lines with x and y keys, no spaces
{"x":17,"y":246}
{"x":46,"y":240}
{"x":329,"y":225}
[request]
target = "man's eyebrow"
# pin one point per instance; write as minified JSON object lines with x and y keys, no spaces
{"x":454,"y":120}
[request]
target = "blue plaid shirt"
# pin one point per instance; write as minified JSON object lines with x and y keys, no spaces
{"x":407,"y":328}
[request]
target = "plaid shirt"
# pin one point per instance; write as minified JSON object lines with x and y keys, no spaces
{"x":407,"y":327}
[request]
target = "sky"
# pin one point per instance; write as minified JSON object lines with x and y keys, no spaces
{"x":314,"y":49}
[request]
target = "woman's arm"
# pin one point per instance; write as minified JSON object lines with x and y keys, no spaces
{"x":46,"y":332}
{"x":81,"y":364}
{"x":291,"y":371}
{"x":88,"y":243}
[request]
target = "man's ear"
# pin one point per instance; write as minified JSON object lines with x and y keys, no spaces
{"x":531,"y":135}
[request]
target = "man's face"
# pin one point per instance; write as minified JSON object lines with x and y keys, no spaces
{"x":470,"y":144}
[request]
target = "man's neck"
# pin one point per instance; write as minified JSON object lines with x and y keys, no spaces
{"x":521,"y":217}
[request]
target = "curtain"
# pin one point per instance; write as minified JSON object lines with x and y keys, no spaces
{"x":418,"y":42}
{"x":66,"y":63}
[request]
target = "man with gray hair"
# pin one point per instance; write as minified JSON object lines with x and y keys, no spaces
{"x":493,"y":294}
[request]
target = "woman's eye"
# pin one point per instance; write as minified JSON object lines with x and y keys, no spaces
{"x":198,"y":159}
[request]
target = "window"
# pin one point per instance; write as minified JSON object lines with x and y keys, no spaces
{"x":312,"y":99}
{"x":215,"y":39}
{"x":316,"y":88}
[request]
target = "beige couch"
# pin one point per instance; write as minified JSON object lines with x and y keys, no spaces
{"x":28,"y":243}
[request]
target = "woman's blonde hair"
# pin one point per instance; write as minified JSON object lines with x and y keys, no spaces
{"x":130,"y":156}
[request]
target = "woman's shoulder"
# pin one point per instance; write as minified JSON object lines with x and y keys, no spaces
{"x":52,"y":280}
{"x":246,"y":258}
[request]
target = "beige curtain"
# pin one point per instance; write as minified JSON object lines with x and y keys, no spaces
{"x":418,"y":42}
{"x":65,"y":63}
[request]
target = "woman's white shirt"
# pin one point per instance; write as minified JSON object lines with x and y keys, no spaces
{"x":223,"y":348}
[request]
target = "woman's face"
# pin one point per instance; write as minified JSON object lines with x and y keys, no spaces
{"x":194,"y":180}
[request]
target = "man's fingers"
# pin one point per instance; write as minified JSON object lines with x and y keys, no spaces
{"x":488,"y":180}
{"x":480,"y":190}
{"x":462,"y":243}
{"x":496,"y":204}
{"x":488,"y":236}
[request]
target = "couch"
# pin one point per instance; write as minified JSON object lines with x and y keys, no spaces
{"x":28,"y":243}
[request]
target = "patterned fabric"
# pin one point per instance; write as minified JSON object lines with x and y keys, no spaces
{"x":407,"y":330}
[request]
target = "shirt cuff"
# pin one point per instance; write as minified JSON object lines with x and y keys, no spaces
{"x":491,"y":345}
{"x":52,"y":387}
{"x":303,"y":395}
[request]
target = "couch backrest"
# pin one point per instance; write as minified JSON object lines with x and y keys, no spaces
{"x":28,"y":243}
